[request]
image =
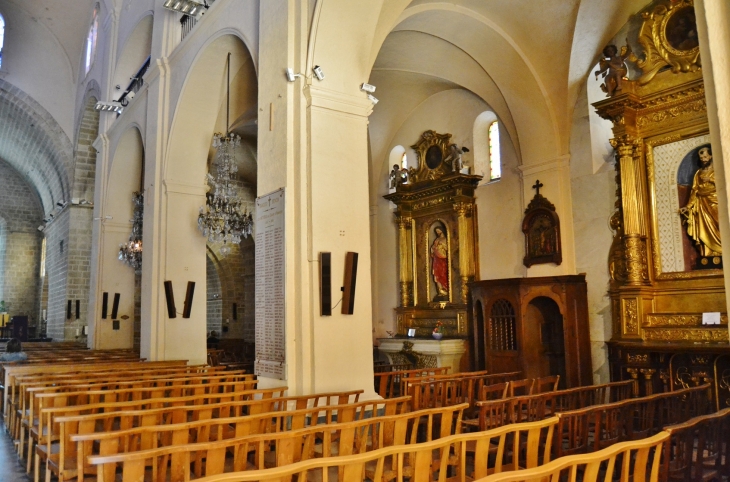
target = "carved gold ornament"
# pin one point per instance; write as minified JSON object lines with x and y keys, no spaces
{"x":631,"y":317}
{"x":669,"y":37}
{"x":687,"y":334}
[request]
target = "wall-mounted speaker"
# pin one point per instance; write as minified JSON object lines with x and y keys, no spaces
{"x":235,"y":311}
{"x":115,"y":306}
{"x":68,"y":310}
{"x":78,"y":309}
{"x":170,"y":298}
{"x":104,"y":304}
{"x":325,"y":284}
{"x":188,"y":299}
{"x":348,"y":295}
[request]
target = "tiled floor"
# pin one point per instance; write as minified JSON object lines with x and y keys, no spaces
{"x":10,"y":468}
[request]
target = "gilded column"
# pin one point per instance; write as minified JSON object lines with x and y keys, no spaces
{"x":405,"y":260}
{"x":634,"y":220}
{"x":466,"y":236}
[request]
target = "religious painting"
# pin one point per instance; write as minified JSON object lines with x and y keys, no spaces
{"x":686,"y":234}
{"x":681,"y":29}
{"x":541,"y":228}
{"x":439,"y":256}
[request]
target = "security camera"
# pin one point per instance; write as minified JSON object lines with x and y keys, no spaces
{"x":60,"y":204}
{"x":365,"y":87}
{"x":318,"y":72}
{"x":291,"y":76}
{"x":373,"y":99}
{"x":118,"y":87}
{"x":130,"y":95}
{"x":41,"y":228}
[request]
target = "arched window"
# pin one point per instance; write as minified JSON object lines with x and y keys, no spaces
{"x":91,"y":39}
{"x":495,"y":162}
{"x":2,"y":38}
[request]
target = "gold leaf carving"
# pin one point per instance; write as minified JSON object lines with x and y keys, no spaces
{"x":672,"y":112}
{"x":677,"y":320}
{"x":631,"y":317}
{"x":679,"y":334}
{"x":638,"y":358}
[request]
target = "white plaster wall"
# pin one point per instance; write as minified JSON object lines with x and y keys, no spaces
{"x":594,"y":193}
{"x":35,"y":61}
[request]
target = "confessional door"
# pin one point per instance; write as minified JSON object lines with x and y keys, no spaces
{"x":538,"y":326}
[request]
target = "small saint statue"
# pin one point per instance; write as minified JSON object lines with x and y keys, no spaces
{"x":613,"y":68}
{"x":440,"y":264}
{"x":394,"y":177}
{"x":700,"y":213}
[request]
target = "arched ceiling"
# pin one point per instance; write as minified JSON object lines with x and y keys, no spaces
{"x":524,"y":58}
{"x":67,"y":21}
{"x":34,"y":145}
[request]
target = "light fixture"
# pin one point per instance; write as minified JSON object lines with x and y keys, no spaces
{"x":291,"y":76}
{"x":365,"y":87}
{"x":318,"y":72}
{"x":130,"y":253}
{"x":188,"y":7}
{"x":221,"y":220}
{"x":373,"y":99}
{"x":115,"y":107}
{"x":41,"y":228}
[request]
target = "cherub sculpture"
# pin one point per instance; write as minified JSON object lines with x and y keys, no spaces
{"x":394,"y":177}
{"x":612,"y":68}
{"x":454,"y":157}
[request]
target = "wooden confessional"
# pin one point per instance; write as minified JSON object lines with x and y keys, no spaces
{"x":535,"y":325}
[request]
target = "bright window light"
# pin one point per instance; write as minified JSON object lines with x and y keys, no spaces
{"x":495,"y":163}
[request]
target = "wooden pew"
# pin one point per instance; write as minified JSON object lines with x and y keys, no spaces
{"x":392,"y":384}
{"x":13,"y":370}
{"x":348,"y":427}
{"x":699,"y":449}
{"x":256,"y":402}
{"x":30,"y":403}
{"x":420,"y":462}
{"x":638,"y":461}
{"x":596,"y":427}
{"x":495,"y":413}
{"x":449,"y":391}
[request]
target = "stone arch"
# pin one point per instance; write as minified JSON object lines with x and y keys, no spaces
{"x":85,"y":155}
{"x":46,"y":162}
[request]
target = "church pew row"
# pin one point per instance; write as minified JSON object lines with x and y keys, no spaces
{"x":638,"y":461}
{"x":253,"y":401}
{"x":527,"y":408}
{"x":593,"y":428}
{"x":449,"y":458}
{"x":19,"y":399}
{"x":699,"y":449}
{"x":290,"y":435}
{"x":29,"y":402}
{"x":392,"y":384}
{"x":450,"y":391}
{"x":12,"y":370}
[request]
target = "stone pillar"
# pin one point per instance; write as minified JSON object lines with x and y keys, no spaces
{"x":405,"y":256}
{"x":713,"y":27}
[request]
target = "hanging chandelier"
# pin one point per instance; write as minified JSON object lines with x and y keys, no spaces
{"x":222,"y":219}
{"x":130,"y":253}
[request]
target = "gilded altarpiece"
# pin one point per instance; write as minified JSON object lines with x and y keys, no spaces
{"x":663,"y":277}
{"x":437,"y":240}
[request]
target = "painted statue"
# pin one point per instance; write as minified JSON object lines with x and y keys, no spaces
{"x":440,"y":262}
{"x":613,"y":68}
{"x":700,"y":214}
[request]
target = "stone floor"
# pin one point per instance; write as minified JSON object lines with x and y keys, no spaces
{"x":10,"y":468}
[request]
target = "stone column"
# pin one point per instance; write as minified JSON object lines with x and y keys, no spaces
{"x":405,"y":256}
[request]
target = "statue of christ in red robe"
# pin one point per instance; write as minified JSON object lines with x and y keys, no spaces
{"x":440,"y":262}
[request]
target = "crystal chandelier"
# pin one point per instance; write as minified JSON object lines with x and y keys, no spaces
{"x":130,"y":253}
{"x":222,"y":220}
